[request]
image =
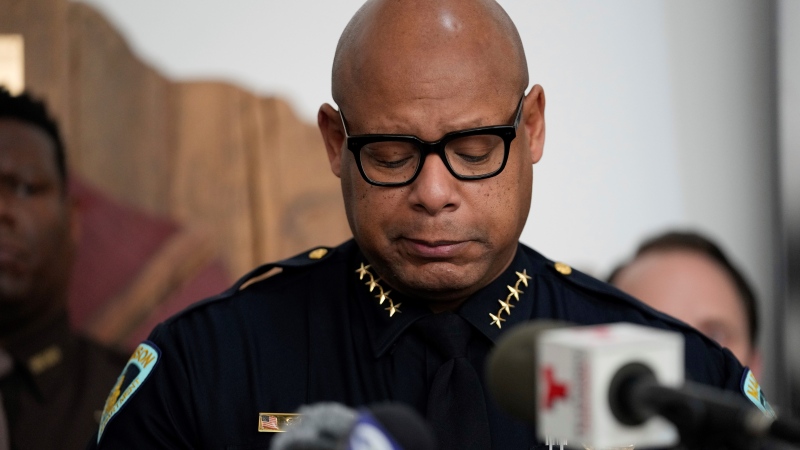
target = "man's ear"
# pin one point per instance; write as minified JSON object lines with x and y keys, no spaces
{"x":330,"y":125}
{"x":533,"y":121}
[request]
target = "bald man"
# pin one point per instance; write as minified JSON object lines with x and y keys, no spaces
{"x":434,"y":136}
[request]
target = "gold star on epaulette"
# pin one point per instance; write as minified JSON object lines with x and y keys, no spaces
{"x":393,"y":308}
{"x":514,"y":292}
{"x":496,"y":320}
{"x":523,"y":277}
{"x":363,"y":271}
{"x":505,"y":306}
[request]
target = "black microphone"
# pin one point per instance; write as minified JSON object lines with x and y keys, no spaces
{"x":633,"y":394}
{"x":701,"y":413}
{"x":511,"y":368}
{"x":332,"y":426}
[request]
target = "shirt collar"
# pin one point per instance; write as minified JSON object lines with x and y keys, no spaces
{"x":486,"y":311}
{"x":383,"y":328}
{"x":481,"y":310}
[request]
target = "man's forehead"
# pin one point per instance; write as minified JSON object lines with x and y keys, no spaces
{"x":430,"y":118}
{"x":18,"y":130}
{"x":25,"y":145}
{"x":422,"y":48}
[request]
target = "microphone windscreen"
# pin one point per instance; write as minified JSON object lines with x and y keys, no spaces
{"x":407,"y":427}
{"x":511,"y":368}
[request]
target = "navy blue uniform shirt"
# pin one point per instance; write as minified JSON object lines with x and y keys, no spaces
{"x":316,"y":333}
{"x":53,"y":395}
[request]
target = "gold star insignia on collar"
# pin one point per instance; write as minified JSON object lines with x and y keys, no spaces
{"x":374,"y":283}
{"x":383,"y":296}
{"x":524,"y":277}
{"x":513,"y":293}
{"x":362,"y":271}
{"x":393,"y":308}
{"x":496,"y":320}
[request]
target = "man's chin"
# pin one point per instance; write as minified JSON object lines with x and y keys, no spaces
{"x":432,"y":283}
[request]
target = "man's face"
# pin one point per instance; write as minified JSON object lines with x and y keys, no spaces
{"x":35,"y":238}
{"x":439,"y":238}
{"x":695,"y":289}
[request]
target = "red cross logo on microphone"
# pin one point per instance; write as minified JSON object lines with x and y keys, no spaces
{"x":554,"y":390}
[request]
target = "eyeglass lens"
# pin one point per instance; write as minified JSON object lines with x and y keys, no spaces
{"x":398,"y":161}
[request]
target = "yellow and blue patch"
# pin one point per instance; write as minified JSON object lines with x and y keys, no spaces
{"x":142,"y":362}
{"x":752,"y":390}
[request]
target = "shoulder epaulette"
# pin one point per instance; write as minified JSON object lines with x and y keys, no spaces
{"x":580,"y":279}
{"x":303,"y":259}
{"x":306,"y":258}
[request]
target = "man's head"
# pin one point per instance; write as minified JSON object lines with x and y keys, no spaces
{"x":36,"y":238}
{"x":687,"y":276}
{"x":427,"y":68}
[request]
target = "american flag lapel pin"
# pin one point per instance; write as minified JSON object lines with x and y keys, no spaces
{"x":276,"y":422}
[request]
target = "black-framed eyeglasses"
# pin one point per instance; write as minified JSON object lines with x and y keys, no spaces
{"x":396,"y":160}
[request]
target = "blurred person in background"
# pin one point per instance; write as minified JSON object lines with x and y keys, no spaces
{"x":51,"y":380}
{"x":688,"y":276}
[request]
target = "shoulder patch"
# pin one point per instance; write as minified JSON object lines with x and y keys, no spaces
{"x":139,"y":367}
{"x":752,"y":390}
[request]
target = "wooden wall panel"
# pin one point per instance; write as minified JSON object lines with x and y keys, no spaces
{"x":256,"y":173}
{"x":211,"y":181}
{"x":44,"y":26}
{"x":265,"y":174}
{"x":306,"y":207}
{"x":121,"y":111}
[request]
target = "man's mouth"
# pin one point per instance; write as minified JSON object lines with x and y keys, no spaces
{"x":434,"y":249}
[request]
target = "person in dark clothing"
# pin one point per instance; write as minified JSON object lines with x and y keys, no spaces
{"x":51,"y":381}
{"x":434,"y":140}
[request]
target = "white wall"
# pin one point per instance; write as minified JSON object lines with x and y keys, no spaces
{"x":659,"y":112}
{"x":789,"y":139}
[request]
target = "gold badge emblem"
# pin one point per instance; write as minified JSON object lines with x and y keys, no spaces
{"x":276,"y":422}
{"x":318,"y":253}
{"x":563,"y":269}
{"x":44,"y":360}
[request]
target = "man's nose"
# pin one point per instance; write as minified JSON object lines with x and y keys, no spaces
{"x":435,"y":188}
